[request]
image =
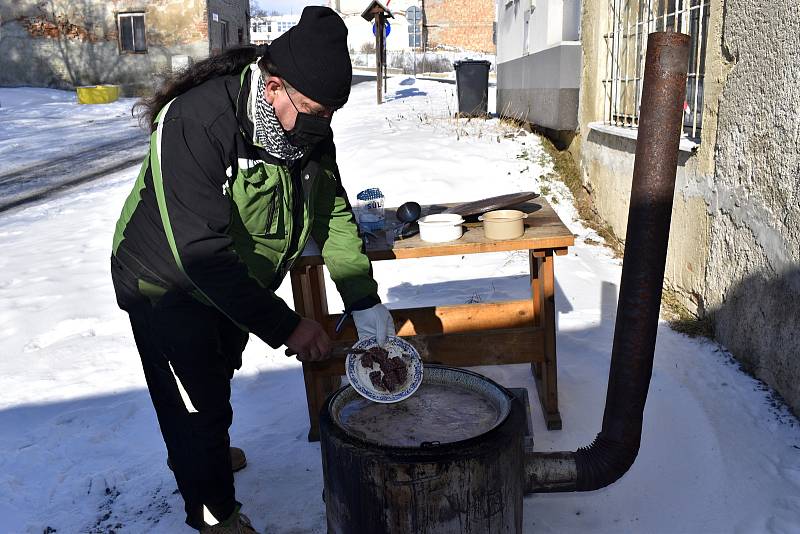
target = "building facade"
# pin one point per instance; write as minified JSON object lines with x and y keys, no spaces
{"x":539,"y":62}
{"x":67,"y":43}
{"x":734,"y":250}
{"x":459,"y":24}
{"x":264,"y":30}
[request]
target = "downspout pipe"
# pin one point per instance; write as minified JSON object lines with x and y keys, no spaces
{"x":616,"y":446}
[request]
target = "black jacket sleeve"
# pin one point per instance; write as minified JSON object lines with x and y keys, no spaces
{"x":190,"y":180}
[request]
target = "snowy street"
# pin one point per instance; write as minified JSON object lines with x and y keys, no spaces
{"x":80,"y":448}
{"x":48,"y":143}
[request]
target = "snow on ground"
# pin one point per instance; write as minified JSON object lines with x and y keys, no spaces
{"x":37,"y":125}
{"x":80,"y":449}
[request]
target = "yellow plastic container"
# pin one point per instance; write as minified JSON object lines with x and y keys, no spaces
{"x":97,"y":94}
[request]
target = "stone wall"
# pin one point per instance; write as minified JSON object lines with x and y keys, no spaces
{"x":753,"y":280}
{"x":68,"y":43}
{"x":734,"y":251}
{"x":462,"y":24}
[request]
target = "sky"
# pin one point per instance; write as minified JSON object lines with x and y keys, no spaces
{"x":288,"y":6}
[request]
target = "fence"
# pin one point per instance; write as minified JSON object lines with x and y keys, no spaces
{"x":418,"y":62}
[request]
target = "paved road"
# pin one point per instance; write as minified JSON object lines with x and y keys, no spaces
{"x":42,"y":180}
{"x":360,"y":78}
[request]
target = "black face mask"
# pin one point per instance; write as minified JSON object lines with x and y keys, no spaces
{"x":308,"y":129}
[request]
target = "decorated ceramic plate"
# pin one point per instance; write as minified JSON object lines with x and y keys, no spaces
{"x":384,"y":374}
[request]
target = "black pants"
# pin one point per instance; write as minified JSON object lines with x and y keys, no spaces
{"x":177,"y":336}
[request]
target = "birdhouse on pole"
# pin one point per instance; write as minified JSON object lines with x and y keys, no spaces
{"x":378,"y":12}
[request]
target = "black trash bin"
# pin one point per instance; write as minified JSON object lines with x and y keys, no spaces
{"x":472,"y":85}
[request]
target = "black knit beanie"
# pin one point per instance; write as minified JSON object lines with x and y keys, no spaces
{"x":313,"y":57}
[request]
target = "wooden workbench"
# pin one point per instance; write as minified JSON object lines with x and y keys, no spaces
{"x":517,"y":331}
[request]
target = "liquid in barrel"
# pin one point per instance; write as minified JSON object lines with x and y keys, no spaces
{"x":433,"y":413}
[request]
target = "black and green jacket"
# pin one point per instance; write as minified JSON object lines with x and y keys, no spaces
{"x":213,"y":214}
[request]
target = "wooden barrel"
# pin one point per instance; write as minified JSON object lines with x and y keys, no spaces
{"x":468,"y":486}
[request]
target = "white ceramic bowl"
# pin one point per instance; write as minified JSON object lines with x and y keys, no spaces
{"x":440,"y":227}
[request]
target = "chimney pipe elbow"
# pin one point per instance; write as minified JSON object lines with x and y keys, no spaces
{"x":587,"y":469}
{"x":603,"y":462}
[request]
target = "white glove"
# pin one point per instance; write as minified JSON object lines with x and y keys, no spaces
{"x":375,"y":321}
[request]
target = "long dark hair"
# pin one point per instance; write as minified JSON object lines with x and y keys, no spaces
{"x":229,"y":62}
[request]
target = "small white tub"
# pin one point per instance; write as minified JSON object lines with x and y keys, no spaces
{"x":440,"y":227}
{"x":503,"y":224}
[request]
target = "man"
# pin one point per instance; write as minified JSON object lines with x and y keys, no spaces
{"x":241,"y":172}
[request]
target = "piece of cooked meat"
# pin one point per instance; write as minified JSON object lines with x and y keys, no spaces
{"x":392,"y":378}
{"x":375,"y":378}
{"x":374,"y":354}
{"x":393,"y":372}
{"x":367,"y":360}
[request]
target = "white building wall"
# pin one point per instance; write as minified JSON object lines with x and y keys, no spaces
{"x":512,"y":16}
{"x":571,"y":16}
{"x":549,"y":23}
{"x":538,"y":61}
{"x":546,"y":26}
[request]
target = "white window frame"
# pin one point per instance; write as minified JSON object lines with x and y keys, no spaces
{"x":630,"y":22}
{"x":130,"y":15}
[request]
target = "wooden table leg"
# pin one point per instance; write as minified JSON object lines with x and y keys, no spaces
{"x":543,"y":288}
{"x":310,"y":300}
{"x":536,"y":295}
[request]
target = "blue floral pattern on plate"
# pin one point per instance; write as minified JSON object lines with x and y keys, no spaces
{"x":359,"y":375}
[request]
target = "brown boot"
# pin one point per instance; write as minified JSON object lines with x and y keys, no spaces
{"x":238,"y":460}
{"x":237,"y":523}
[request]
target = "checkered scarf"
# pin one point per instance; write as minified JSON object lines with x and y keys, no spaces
{"x":268,"y":130}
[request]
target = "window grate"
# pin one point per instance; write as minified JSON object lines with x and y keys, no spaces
{"x":414,"y":18}
{"x":626,"y":42}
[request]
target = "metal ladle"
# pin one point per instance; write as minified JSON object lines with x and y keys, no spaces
{"x":408,"y":214}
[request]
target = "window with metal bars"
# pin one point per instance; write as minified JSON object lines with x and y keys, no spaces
{"x":414,"y":18}
{"x":131,"y":33}
{"x":630,"y":23}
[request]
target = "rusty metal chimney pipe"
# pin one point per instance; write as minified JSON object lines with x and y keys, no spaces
{"x":615,"y":448}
